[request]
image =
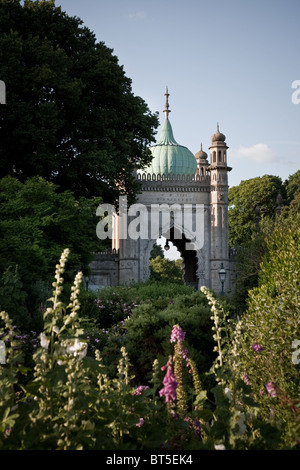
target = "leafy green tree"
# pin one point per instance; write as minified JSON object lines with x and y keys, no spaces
{"x":292,"y":188}
{"x":36,"y":223}
{"x":157,"y":251}
{"x":163,"y":269}
{"x":71,"y":116}
{"x":247,"y":266}
{"x":244,"y":198}
{"x":253,"y":247}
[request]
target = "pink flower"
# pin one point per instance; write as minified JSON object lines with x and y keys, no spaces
{"x":177,"y":334}
{"x":246,"y":379}
{"x":256,"y":347}
{"x":140,"y":390}
{"x":140,"y":423}
{"x":271,"y":389}
{"x":170,"y":384}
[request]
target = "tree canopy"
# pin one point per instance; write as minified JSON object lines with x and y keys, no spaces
{"x":250,"y":238}
{"x":71,"y":116}
{"x":259,"y":192}
{"x":36,"y":224}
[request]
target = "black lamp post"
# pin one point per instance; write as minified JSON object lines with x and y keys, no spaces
{"x":222,"y":277}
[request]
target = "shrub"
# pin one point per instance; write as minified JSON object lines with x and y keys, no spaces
{"x":150,"y":325}
{"x":70,"y":403}
{"x":269,"y":328}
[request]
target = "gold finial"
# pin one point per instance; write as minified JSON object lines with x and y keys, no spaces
{"x":166,"y":110}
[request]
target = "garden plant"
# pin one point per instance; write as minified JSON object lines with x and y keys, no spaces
{"x":68,"y":398}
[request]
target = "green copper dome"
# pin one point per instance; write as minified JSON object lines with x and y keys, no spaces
{"x":170,"y":158}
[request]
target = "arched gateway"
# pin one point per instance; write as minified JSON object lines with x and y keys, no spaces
{"x":183,"y":198}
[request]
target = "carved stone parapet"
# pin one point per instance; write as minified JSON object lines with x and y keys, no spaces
{"x":178,"y":183}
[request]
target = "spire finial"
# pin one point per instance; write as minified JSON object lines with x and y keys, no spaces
{"x":218,"y":127}
{"x":166,"y":110}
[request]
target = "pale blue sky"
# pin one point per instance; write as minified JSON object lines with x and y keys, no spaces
{"x":231,"y":61}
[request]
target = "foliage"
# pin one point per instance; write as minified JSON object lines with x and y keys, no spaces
{"x":71,"y":402}
{"x":147,"y":331}
{"x":247,"y":267}
{"x":36,"y":223}
{"x":163,"y":269}
{"x":272,"y":322}
{"x":71,"y":116}
{"x":292,"y":189}
{"x":110,"y":305}
{"x":156,"y":251}
{"x":13,"y":297}
{"x":140,"y":316}
{"x":260,"y":191}
{"x":252,"y":245}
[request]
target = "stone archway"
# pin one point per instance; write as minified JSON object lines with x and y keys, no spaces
{"x":189,"y":257}
{"x":192,"y":259}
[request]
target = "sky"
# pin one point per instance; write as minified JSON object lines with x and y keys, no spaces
{"x":229,"y":61}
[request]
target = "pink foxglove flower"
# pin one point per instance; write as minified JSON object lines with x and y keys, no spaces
{"x":177,"y":334}
{"x":170,"y":383}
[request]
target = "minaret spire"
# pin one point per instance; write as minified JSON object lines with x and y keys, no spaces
{"x":166,"y":110}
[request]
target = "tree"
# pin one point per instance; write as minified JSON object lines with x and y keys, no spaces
{"x":244,"y":198}
{"x":163,"y":269}
{"x":254,"y":244}
{"x":71,"y":116}
{"x":157,"y":251}
{"x":292,"y":188}
{"x":36,"y":224}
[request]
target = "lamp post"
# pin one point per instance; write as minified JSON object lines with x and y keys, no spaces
{"x":167,"y":246}
{"x":222,"y":277}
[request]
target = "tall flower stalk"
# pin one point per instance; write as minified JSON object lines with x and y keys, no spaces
{"x":217,"y":328}
{"x":180,"y":356}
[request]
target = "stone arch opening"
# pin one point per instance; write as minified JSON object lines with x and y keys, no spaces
{"x":189,"y":257}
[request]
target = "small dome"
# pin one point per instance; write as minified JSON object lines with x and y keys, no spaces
{"x":218,"y":136}
{"x":201,"y":155}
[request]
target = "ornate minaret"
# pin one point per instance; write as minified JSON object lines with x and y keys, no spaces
{"x":219,"y":209}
